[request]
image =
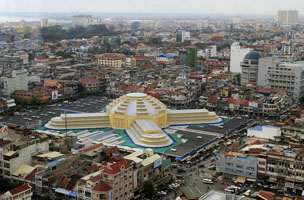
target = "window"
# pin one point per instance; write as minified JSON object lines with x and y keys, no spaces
{"x":240,"y":166}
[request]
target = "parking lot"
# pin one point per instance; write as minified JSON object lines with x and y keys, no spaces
{"x":34,"y":116}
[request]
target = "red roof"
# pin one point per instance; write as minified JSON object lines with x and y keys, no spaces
{"x":95,"y":178}
{"x":213,"y":99}
{"x":92,"y":148}
{"x":116,"y":167}
{"x":31,"y":175}
{"x":90,"y":168}
{"x":255,"y":142}
{"x":110,"y":151}
{"x":20,"y":189}
{"x":3,"y":129}
{"x":266,"y":195}
{"x":102,"y":187}
{"x":88,"y":80}
{"x":111,"y":56}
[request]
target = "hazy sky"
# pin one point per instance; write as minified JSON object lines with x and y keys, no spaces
{"x":154,"y":6}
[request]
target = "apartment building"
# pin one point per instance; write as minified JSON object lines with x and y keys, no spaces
{"x":111,"y":60}
{"x":147,"y":167}
{"x":91,"y":84}
{"x":283,"y":75}
{"x":113,"y":182}
{"x":23,"y":192}
{"x":14,"y":153}
{"x":17,"y":81}
{"x":283,"y":168}
{"x":234,"y":165}
{"x":250,"y":68}
{"x":237,"y":55}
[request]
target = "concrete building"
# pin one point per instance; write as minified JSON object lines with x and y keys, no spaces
{"x":211,"y":52}
{"x":283,"y":168}
{"x":237,"y":55}
{"x":114,"y":182}
{"x":44,"y":23}
{"x":250,"y":68}
{"x":111,"y":60}
{"x":14,"y":154}
{"x":265,"y":132}
{"x":18,"y":81}
{"x":182,"y":57}
{"x":181,"y":36}
{"x":147,"y":167}
{"x":23,"y":192}
{"x":287,"y":17}
{"x":237,"y":20}
{"x":237,"y":165}
{"x":83,"y":20}
{"x":192,"y":56}
{"x":282,"y":74}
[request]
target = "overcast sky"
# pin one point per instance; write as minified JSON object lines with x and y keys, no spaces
{"x":154,"y":6}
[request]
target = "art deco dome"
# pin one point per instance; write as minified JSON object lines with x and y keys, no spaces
{"x":252,"y":55}
{"x":126,"y":109}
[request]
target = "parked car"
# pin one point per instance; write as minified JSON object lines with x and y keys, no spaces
{"x":207,"y":181}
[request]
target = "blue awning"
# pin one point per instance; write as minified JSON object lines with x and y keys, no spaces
{"x":72,"y":194}
{"x":63,"y":191}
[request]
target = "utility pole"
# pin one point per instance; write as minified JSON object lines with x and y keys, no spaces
{"x":65,"y":123}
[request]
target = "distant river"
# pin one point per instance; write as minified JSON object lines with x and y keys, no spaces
{"x":17,"y":19}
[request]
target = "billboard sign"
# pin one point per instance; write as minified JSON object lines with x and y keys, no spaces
{"x":54,"y":95}
{"x":158,"y":162}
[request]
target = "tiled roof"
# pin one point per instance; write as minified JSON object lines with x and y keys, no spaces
{"x":111,"y":150}
{"x":90,"y":168}
{"x":95,"y":178}
{"x":20,"y":189}
{"x":88,"y":80}
{"x":31,"y":175}
{"x":92,"y":148}
{"x":102,"y":187}
{"x":111,"y":56}
{"x":116,"y":167}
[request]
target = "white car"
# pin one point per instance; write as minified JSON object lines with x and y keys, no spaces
{"x":208,"y":181}
{"x":162,"y":193}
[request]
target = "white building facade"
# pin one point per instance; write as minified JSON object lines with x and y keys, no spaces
{"x":236,"y":57}
{"x":283,"y":75}
{"x":18,"y":81}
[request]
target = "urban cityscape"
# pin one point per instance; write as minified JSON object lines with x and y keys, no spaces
{"x":142,"y":100}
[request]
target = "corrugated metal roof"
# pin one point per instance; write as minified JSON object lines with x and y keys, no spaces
{"x":23,"y":169}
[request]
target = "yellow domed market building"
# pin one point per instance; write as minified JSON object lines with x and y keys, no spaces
{"x":141,"y":115}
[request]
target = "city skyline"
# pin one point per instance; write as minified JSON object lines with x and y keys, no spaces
{"x":157,"y":6}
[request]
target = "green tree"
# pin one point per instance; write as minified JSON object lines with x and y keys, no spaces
{"x":34,"y":101}
{"x":135,"y":25}
{"x":149,"y":190}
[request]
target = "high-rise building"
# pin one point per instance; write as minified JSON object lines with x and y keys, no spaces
{"x":250,"y":68}
{"x":181,"y":36}
{"x":211,"y":52}
{"x":287,"y":17}
{"x":83,"y":20}
{"x":182,"y":57}
{"x":290,"y":35}
{"x":237,"y":20}
{"x":44,"y":23}
{"x":281,"y":74}
{"x":236,"y":57}
{"x":18,"y":81}
{"x":192,"y":56}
